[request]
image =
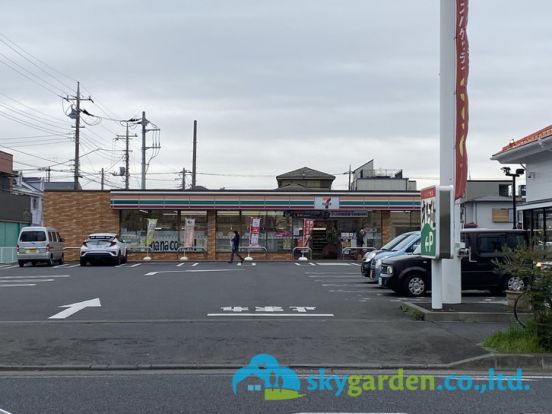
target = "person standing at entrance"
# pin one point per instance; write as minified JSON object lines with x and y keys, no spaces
{"x":360,"y":238}
{"x":236,"y":247}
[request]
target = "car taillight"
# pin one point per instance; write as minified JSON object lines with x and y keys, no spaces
{"x":113,"y":243}
{"x":47,"y":247}
{"x":84,"y":243}
{"x":17,"y":248}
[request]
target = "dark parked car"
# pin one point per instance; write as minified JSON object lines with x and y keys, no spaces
{"x":411,"y":274}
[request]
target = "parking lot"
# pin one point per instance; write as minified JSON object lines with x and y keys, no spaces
{"x":216,"y":314}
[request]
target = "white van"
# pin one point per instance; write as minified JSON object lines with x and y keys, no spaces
{"x":39,"y":244}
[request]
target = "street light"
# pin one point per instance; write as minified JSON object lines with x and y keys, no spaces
{"x":519,"y":171}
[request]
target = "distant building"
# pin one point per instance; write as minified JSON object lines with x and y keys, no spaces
{"x":34,"y":188}
{"x":367,"y":178}
{"x":487,"y":204}
{"x":535,"y":153}
{"x":14,"y":210}
{"x":305,"y":177}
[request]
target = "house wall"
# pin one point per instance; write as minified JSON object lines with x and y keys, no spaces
{"x":538,"y":174}
{"x":482,"y":214}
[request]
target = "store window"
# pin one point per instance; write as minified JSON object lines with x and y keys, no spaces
{"x":169,"y":228}
{"x":277,"y":229}
{"x":404,"y":221}
{"x":193,"y":230}
{"x":227,"y":222}
{"x":246,"y":217}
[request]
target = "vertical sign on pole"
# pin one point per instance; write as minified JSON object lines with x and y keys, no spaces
{"x":436,"y":224}
{"x":308,"y":225}
{"x":254,"y":230}
{"x":189,"y":232}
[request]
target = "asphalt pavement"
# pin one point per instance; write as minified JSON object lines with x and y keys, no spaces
{"x":216,"y":315}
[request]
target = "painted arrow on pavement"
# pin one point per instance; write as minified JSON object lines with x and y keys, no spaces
{"x":75,"y":307}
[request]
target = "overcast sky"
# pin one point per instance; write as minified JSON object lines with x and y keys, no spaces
{"x":274,"y":85}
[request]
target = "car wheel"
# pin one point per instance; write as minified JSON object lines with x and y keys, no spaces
{"x":82,"y":262}
{"x":61,"y":260}
{"x":125,"y":258}
{"x":50,"y":261}
{"x":514,"y":283}
{"x":414,"y":285}
{"x":33,"y":263}
{"x":118,"y":259}
{"x":21,"y":263}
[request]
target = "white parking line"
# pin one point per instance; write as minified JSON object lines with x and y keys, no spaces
{"x":136,"y":265}
{"x":9,"y":267}
{"x":18,"y":285}
{"x":27,"y":280}
{"x":355,"y":264}
{"x":195,"y":264}
{"x":31,"y":276}
{"x":274,"y":315}
{"x":296,"y":264}
{"x":63,"y":265}
{"x":74,"y":266}
{"x":333,"y":264}
{"x":312,"y":264}
{"x":121,"y":265}
{"x":180,"y":264}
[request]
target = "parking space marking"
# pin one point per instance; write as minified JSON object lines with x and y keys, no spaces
{"x":18,"y":285}
{"x":191,"y":271}
{"x":333,"y":264}
{"x":73,"y":266}
{"x":32,"y":276}
{"x":274,"y":315}
{"x":195,"y":264}
{"x":63,"y":265}
{"x":136,"y":265}
{"x":355,"y":264}
{"x":28,"y":279}
{"x":121,"y":265}
{"x":297,"y":264}
{"x":180,"y":264}
{"x":9,"y":267}
{"x":312,"y":264}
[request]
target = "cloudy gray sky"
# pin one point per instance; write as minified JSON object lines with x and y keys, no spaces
{"x":274,"y":85}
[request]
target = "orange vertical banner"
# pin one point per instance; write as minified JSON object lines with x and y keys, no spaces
{"x":462,"y":115}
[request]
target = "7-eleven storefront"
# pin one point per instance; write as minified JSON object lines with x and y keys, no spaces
{"x":271,"y":223}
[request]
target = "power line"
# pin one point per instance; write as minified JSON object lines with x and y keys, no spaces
{"x":42,"y":85}
{"x":6,"y":40}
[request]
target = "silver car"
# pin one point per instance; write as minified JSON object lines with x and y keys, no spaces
{"x":103,"y":247}
{"x":39,"y":244}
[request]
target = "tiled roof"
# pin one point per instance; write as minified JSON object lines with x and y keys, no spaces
{"x":535,"y":136}
{"x":305,"y":172}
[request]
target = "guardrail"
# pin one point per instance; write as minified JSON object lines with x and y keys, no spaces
{"x":348,"y":250}
{"x":8,"y":255}
{"x":302,"y":249}
{"x":249,"y":248}
{"x":191,"y":250}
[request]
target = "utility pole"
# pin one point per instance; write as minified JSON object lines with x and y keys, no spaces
{"x":126,"y":137}
{"x":103,"y":177}
{"x":194,"y":157}
{"x":144,"y":122}
{"x":349,"y":177}
{"x":76,"y":116}
{"x":48,"y":174}
{"x":183,"y":178}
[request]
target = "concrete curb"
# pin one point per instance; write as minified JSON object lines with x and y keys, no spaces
{"x":533,"y":362}
{"x":421,"y":313}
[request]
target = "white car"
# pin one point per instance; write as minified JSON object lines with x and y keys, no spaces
{"x":103,"y":247}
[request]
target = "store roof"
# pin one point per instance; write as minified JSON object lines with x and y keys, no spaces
{"x":306,"y":172}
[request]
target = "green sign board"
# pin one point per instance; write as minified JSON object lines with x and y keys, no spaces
{"x":428,"y":224}
{"x":436,"y":208}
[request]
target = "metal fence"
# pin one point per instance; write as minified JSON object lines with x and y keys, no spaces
{"x":7,"y":255}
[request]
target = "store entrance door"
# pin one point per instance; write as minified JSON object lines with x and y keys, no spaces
{"x":325,"y":240}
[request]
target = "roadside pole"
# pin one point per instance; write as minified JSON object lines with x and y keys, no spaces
{"x":446,"y":280}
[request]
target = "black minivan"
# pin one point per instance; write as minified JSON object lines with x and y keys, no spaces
{"x":411,"y":274}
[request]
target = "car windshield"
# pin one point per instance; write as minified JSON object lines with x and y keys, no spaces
{"x":394,"y":242}
{"x":403,"y":244}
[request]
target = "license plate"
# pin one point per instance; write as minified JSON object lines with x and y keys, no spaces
{"x":380,"y":282}
{"x":32,"y":250}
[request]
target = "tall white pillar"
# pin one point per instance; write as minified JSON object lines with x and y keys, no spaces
{"x":449,"y":268}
